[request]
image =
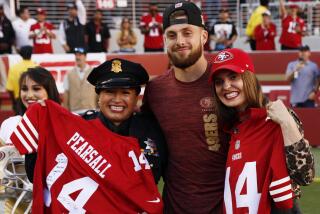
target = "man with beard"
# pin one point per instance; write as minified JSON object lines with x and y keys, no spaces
{"x":181,"y":100}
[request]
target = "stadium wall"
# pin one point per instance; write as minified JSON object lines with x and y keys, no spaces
{"x":270,"y":69}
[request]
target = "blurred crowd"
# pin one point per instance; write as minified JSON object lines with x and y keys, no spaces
{"x":93,"y":33}
{"x":75,"y":31}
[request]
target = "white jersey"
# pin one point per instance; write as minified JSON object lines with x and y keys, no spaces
{"x":22,"y":29}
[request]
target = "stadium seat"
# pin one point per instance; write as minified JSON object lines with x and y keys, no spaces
{"x":283,"y":95}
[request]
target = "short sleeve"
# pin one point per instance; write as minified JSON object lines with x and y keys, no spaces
{"x":290,"y":68}
{"x":25,"y":136}
{"x":280,"y":188}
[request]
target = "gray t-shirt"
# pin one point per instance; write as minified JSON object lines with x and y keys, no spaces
{"x":304,"y":84}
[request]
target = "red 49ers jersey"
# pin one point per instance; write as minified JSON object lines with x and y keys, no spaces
{"x":153,"y":39}
{"x":42,"y":42}
{"x":256,"y":170}
{"x":83,"y":167}
{"x":289,"y":37}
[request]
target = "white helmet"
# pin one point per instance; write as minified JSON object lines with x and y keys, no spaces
{"x":13,"y":178}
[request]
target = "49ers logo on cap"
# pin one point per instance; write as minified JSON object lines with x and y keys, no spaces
{"x":223,"y":56}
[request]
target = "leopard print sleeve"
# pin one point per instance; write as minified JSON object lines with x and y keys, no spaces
{"x":300,"y":161}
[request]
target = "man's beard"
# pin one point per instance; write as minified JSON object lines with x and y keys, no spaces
{"x":188,"y":61}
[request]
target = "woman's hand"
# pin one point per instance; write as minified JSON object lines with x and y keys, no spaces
{"x":278,"y":112}
{"x":41,"y":102}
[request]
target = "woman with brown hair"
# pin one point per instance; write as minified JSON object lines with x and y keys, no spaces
{"x":261,"y":151}
{"x":126,"y":38}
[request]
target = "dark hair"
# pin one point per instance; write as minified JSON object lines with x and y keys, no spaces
{"x":228,"y":116}
{"x":264,"y":3}
{"x":44,"y":78}
{"x":26,"y":52}
{"x":21,"y":10}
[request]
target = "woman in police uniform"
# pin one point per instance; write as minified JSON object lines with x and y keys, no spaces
{"x":118,"y":84}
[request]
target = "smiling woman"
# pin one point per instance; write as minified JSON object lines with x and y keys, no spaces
{"x":118,"y":84}
{"x":35,"y":84}
{"x":258,"y":146}
{"x":118,"y":104}
{"x":31,"y":92}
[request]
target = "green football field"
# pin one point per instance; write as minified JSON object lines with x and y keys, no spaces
{"x":310,"y":201}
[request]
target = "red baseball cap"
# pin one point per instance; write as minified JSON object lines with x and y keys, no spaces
{"x":41,"y":11}
{"x":233,"y":59}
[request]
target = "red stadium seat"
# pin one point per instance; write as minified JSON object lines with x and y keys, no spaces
{"x":283,"y":95}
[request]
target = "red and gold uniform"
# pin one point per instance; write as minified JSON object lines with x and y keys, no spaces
{"x":290,"y":37}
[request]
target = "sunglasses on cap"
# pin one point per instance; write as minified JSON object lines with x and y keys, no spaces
{"x":79,"y":50}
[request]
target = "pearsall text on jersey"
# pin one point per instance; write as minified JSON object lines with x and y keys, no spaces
{"x":88,"y":154}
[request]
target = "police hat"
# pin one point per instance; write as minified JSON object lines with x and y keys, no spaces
{"x":118,"y":73}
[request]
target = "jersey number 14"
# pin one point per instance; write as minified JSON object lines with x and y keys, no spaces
{"x":251,"y":199}
{"x":86,"y":184}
